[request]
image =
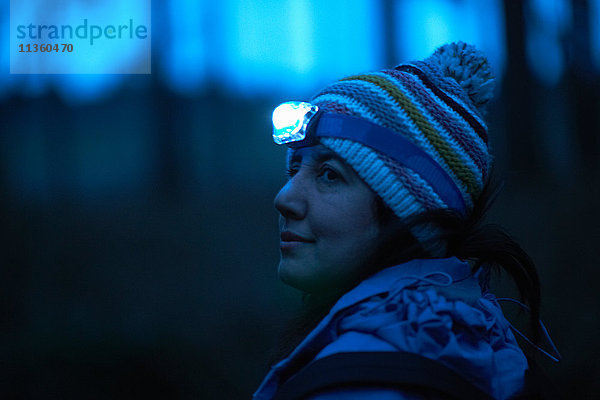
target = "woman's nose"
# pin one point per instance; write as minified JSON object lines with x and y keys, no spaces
{"x":291,"y":199}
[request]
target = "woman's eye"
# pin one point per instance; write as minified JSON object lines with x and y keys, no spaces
{"x":329,"y":175}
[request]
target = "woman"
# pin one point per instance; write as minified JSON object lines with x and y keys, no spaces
{"x":380,"y":225}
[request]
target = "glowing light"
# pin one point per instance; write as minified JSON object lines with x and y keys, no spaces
{"x":290,"y":120}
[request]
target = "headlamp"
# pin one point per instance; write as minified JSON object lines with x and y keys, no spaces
{"x":291,"y":120}
{"x":300,"y":124}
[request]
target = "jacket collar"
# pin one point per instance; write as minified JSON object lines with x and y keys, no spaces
{"x":403,"y":275}
{"x":394,"y":278}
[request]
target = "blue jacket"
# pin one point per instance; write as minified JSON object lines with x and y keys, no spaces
{"x":434,"y":308}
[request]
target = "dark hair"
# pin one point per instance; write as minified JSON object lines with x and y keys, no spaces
{"x":487,"y":246}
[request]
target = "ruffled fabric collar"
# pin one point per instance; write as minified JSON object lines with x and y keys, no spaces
{"x":431,"y":307}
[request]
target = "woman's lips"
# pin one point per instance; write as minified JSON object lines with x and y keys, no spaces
{"x":290,"y":240}
{"x":287,"y":236}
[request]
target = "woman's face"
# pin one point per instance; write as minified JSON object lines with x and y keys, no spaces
{"x":327,"y":222}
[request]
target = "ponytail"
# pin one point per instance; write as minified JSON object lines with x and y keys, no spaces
{"x":488,"y":246}
{"x":491,"y":248}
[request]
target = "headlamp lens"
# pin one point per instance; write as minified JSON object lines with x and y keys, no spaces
{"x":290,"y":120}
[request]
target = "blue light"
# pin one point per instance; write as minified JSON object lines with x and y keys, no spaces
{"x":595,"y":32}
{"x":261,"y":45}
{"x":547,"y":22}
{"x":305,"y":48}
{"x":86,"y":88}
{"x":185,"y":48}
{"x":277,"y":47}
{"x":70,"y":73}
{"x":5,"y":82}
{"x":545,"y":58}
{"x":424,"y":25}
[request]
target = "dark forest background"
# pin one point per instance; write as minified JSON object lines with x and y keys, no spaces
{"x":139,"y":244}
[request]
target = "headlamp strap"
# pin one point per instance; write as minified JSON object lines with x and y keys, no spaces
{"x":394,"y":146}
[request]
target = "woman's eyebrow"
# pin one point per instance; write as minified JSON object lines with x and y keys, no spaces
{"x":331,"y":156}
{"x":322,"y":154}
{"x":325,"y":156}
{"x":317,"y":156}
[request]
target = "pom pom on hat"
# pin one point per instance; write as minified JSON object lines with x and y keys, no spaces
{"x":469,"y":67}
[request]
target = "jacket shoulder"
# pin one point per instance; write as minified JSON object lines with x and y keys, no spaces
{"x":473,"y":338}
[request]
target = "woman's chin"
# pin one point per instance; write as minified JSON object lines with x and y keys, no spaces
{"x":307,"y":280}
{"x":289,"y":276}
{"x":297,"y":276}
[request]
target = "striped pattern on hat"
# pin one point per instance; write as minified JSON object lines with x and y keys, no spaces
{"x":437,"y":104}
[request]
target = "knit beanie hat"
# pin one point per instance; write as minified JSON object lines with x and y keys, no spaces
{"x":437,"y":104}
